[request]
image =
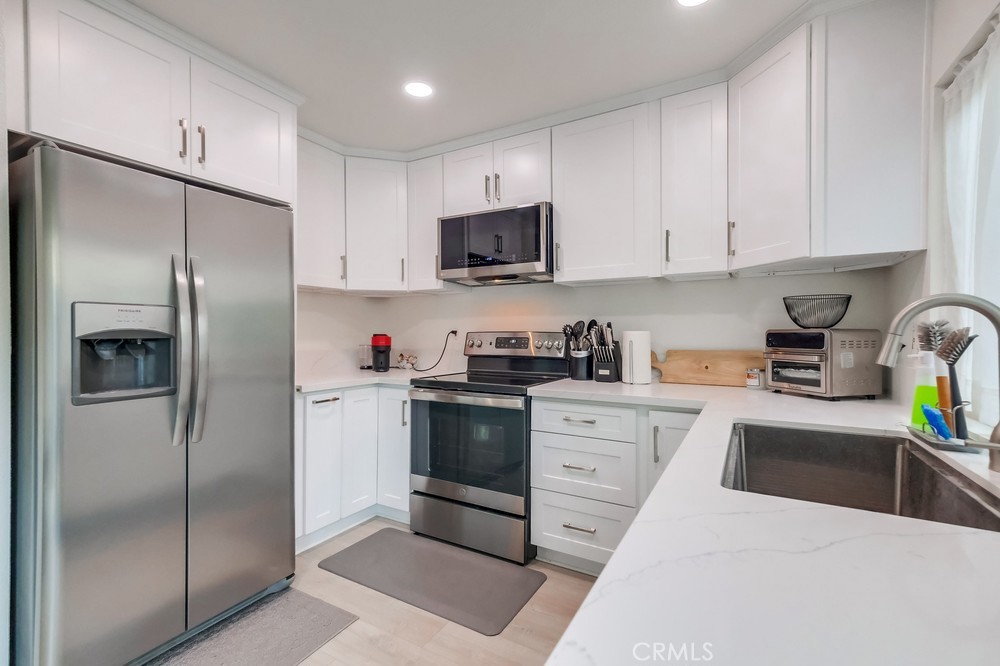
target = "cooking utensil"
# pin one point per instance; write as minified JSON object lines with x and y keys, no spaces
{"x":578,"y":330}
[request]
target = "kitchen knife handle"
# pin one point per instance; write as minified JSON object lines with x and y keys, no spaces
{"x":200,"y":350}
{"x":496,"y":186}
{"x":202,"y":131}
{"x":588,"y":530}
{"x":184,"y":343}
{"x":656,"y":444}
{"x":184,"y":137}
{"x":402,"y":419}
{"x":488,"y":199}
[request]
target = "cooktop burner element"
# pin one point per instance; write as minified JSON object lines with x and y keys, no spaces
{"x":506,"y":362}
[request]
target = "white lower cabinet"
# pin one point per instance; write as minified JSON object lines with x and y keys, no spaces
{"x":359,"y":451}
{"x":394,"y":448}
{"x":321,"y":462}
{"x":665,"y":435}
{"x":577,"y":526}
{"x":595,"y":468}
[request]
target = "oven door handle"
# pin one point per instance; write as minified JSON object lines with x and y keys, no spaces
{"x":464,"y":398}
{"x":802,"y":358}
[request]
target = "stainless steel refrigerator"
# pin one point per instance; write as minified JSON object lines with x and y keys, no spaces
{"x":153,"y":407}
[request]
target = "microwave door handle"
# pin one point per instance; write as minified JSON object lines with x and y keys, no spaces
{"x":184,"y":345}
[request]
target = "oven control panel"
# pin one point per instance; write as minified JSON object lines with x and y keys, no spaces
{"x":516,"y":343}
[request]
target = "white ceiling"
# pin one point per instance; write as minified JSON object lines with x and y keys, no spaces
{"x":493,"y":63}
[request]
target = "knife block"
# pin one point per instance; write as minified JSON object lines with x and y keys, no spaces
{"x":609,"y":372}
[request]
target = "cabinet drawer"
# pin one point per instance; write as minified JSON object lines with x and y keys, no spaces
{"x":569,"y":418}
{"x":576,"y":526}
{"x":597,"y":469}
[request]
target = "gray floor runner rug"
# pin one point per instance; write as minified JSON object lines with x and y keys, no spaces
{"x":280,"y":630}
{"x":468,"y":588}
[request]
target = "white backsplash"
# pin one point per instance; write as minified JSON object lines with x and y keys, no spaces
{"x":710,"y":314}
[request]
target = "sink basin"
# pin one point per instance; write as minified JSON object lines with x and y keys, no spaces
{"x":893,"y":475}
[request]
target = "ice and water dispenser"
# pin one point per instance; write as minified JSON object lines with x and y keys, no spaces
{"x":122,"y":351}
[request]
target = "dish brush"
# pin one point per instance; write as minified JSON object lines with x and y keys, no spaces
{"x":930,"y":337}
{"x":950,"y":352}
{"x":931,"y":334}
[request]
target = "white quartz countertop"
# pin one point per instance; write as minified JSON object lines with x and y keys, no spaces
{"x":708,"y":574}
{"x":355,"y":378}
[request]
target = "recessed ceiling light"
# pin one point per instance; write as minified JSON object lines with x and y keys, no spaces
{"x":419,"y":88}
{"x":691,"y":3}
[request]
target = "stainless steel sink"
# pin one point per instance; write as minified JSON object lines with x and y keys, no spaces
{"x":894,"y":475}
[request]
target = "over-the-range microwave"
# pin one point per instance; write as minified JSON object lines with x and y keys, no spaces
{"x":502,"y":246}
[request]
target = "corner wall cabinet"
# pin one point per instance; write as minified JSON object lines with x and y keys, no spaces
{"x":376,"y":225}
{"x":100,"y":81}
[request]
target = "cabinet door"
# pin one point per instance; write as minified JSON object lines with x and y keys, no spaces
{"x":468,"y":180}
{"x":242,"y":135}
{"x":769,"y":155}
{"x":602,"y":196}
{"x":423,"y":208}
{"x":99,"y":81}
{"x":666,"y":432}
{"x":522,"y":169}
{"x":320,"y":245}
{"x":394,"y":448}
{"x":693,"y":170}
{"x":359,"y":451}
{"x":324,"y":418}
{"x":376,"y":225}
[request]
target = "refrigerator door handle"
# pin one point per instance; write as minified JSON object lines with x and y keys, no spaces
{"x":200,"y":350}
{"x":184,"y":343}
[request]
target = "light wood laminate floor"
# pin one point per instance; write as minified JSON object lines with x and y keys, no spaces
{"x":391,"y":632}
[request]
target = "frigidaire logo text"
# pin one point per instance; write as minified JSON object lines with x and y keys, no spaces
{"x":129,"y":310}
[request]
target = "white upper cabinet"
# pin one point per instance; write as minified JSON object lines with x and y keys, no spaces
{"x":319,"y":218}
{"x":100,"y":81}
{"x":423,"y":208}
{"x":604,"y":189}
{"x":509,"y":172}
{"x":243,"y":135}
{"x":376,"y":225}
{"x":693,"y":169}
{"x":868,"y":157}
{"x":769,"y":155}
{"x":359,"y":450}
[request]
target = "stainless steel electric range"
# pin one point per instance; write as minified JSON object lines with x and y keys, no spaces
{"x":469,"y":435}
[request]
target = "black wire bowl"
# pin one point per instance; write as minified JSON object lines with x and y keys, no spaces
{"x":817,"y":310}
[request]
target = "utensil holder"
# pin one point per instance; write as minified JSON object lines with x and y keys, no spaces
{"x":580,"y":366}
{"x":605,"y":371}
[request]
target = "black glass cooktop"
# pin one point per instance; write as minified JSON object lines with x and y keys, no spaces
{"x":483,"y":382}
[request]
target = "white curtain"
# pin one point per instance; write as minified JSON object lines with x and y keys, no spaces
{"x":972,"y":237}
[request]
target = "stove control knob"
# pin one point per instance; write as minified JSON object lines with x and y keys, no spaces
{"x":558,"y":344}
{"x":472,"y":343}
{"x":479,"y":343}
{"x":548,"y":344}
{"x":538,"y":344}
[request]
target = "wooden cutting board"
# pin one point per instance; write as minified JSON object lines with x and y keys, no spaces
{"x":712,"y":367}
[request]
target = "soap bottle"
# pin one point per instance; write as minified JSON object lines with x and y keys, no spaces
{"x":925,"y":391}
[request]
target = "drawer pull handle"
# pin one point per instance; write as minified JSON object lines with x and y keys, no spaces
{"x":324,"y":401}
{"x":570,"y":419}
{"x":588,"y":530}
{"x":656,"y":444}
{"x":582,"y":468}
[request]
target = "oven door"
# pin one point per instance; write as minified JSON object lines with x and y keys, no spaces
{"x":797,"y":372}
{"x":470,"y":447}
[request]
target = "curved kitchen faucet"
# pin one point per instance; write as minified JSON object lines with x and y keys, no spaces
{"x":894,"y":342}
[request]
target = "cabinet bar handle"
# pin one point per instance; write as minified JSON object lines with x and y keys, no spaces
{"x":666,"y":248}
{"x":403,"y":416}
{"x":183,"y":122}
{"x":582,"y":468}
{"x":558,"y":252}
{"x":588,"y":530}
{"x":402,"y":269}
{"x":487,"y":177}
{"x":202,"y":131}
{"x":324,"y":401}
{"x":496,"y":186}
{"x":570,"y":419}
{"x":656,"y":444}
{"x":732,"y":243}
{"x":343,"y":267}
